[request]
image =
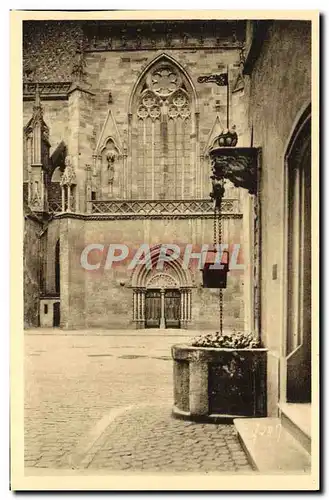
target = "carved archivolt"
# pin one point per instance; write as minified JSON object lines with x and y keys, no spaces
{"x":162,"y":280}
{"x":173,"y":273}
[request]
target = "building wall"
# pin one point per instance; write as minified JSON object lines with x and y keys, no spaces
{"x":47,"y":312}
{"x":78,"y":119}
{"x":103,"y":298}
{"x":280,"y":92}
{"x":31,"y":272}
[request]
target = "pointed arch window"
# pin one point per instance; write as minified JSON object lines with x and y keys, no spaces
{"x":163,"y":146}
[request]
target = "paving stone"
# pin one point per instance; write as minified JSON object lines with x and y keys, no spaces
{"x":67,"y":394}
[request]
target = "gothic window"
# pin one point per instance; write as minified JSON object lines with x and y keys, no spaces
{"x":163,"y":138}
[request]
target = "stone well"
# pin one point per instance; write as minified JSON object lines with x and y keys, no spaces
{"x":212,"y":384}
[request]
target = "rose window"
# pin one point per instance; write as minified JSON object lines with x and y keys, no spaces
{"x":164,"y":81}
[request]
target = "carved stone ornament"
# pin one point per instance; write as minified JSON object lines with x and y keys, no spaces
{"x":164,"y":80}
{"x":110,"y":158}
{"x":78,"y":71}
{"x":163,"y":209}
{"x":68,"y":177}
{"x":162,"y":280}
{"x":35,"y":194}
{"x":239,"y":165}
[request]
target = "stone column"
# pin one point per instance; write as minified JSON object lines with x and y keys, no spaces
{"x":133,"y":302}
{"x":130,"y":179}
{"x":80,"y":136}
{"x":184,"y":306}
{"x":139,"y":307}
{"x":68,"y":198}
{"x":63,"y":198}
{"x":88,"y":189}
{"x":143,"y":292}
{"x":182,"y":309}
{"x":125,"y":174}
{"x":162,"y":319}
{"x":188,"y":305}
{"x":247,"y":222}
{"x":64,"y":273}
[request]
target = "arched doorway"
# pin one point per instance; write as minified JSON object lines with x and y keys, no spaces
{"x":161,"y":298}
{"x":162,"y":302}
{"x":298,"y":265}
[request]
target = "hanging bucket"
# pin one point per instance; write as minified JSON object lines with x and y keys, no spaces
{"x":214,"y":271}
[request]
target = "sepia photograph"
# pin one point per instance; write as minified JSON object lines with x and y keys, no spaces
{"x":165,"y":185}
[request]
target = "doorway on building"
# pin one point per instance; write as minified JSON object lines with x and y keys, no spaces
{"x":152,"y":309}
{"x":162,"y":308}
{"x":56,"y":314}
{"x":299,"y":263}
{"x":172,"y":315}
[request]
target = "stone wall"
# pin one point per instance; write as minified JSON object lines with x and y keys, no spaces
{"x":86,"y":115}
{"x":78,"y":118}
{"x":103,"y":298}
{"x":31,"y":272}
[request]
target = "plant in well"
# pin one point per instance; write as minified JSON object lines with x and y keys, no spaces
{"x":232,"y":340}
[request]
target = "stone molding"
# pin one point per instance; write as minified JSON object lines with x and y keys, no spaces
{"x":157,"y":35}
{"x":83,"y":216}
{"x":165,"y":208}
{"x":48,"y":90}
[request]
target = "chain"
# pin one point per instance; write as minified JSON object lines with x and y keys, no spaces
{"x":218,"y":241}
{"x":215,"y":226}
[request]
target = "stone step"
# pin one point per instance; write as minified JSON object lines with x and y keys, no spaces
{"x":270,"y":447}
{"x":296,"y":418}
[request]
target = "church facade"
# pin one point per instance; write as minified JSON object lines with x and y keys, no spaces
{"x":118,"y":123}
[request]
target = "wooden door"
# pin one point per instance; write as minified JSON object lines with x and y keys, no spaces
{"x":152,"y":309}
{"x":172,"y":308}
{"x":56,"y":314}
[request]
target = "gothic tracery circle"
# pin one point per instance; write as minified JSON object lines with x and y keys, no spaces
{"x":185,"y":112}
{"x":142,"y":112}
{"x":164,"y":81}
{"x":179,"y":100}
{"x":149,"y":100}
{"x":154,"y":112}
{"x":173,"y":111}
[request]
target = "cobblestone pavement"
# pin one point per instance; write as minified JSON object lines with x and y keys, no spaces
{"x":103,"y":401}
{"x":150,"y":439}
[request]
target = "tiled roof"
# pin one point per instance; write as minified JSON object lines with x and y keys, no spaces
{"x":48,"y":50}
